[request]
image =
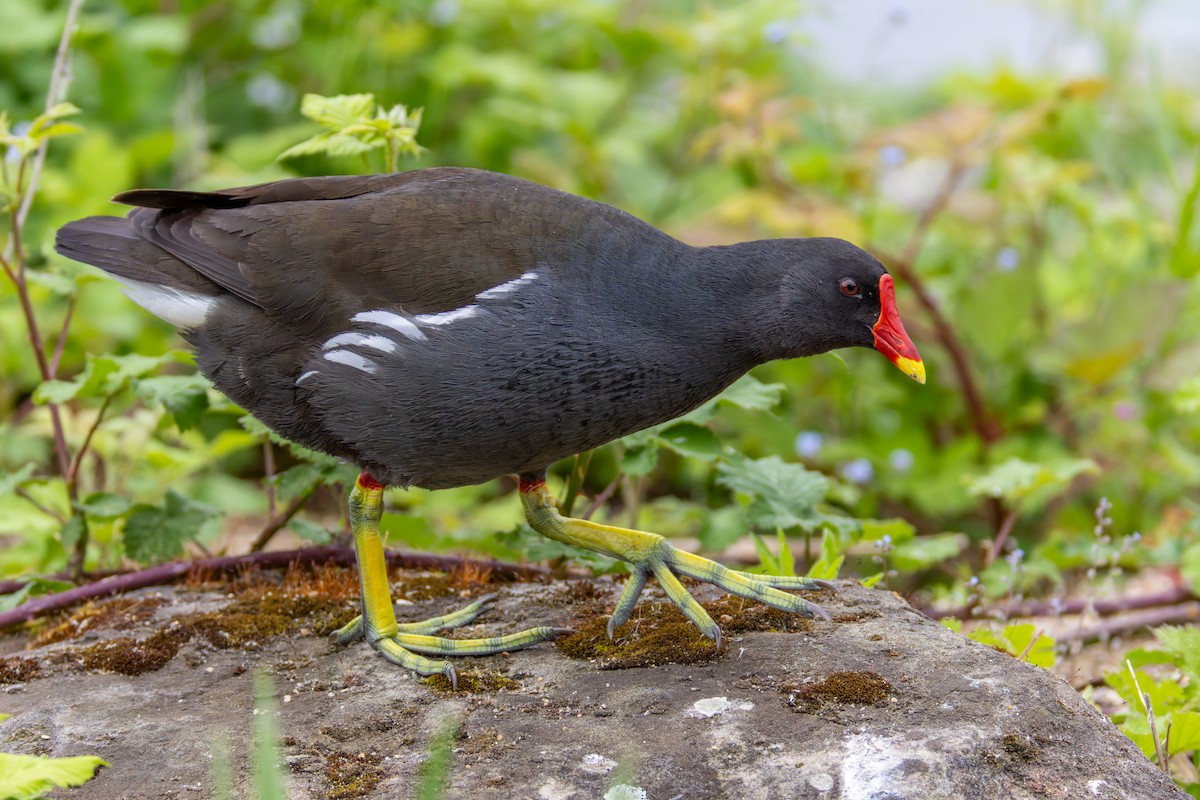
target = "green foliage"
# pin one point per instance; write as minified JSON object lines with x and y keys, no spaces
{"x":1019,"y":639}
{"x":1161,"y":690}
{"x":155,"y":533}
{"x":354,"y":126}
{"x":29,"y":777}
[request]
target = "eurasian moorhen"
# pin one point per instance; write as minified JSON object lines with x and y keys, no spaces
{"x":443,"y":327}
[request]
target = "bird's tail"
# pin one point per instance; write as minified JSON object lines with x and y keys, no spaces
{"x":153,"y":278}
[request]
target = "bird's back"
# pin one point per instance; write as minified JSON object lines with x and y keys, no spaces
{"x":439,"y":327}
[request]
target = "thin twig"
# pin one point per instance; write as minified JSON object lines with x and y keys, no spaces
{"x":60,"y":79}
{"x":33,"y":501}
{"x":173,"y":571}
{"x":61,"y":343}
{"x":72,"y":475}
{"x":985,"y":426}
{"x":1029,"y":647}
{"x":277,"y":521}
{"x":1170,"y":597}
{"x":601,"y":498}
{"x":1010,"y":519}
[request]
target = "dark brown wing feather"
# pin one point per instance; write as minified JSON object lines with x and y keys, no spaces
{"x":427,"y":241}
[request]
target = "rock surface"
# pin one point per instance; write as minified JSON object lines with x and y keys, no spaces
{"x":879,"y":704}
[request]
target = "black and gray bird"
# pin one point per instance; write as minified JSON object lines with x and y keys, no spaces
{"x":443,"y":327}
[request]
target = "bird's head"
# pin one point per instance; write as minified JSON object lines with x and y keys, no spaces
{"x":831,"y":294}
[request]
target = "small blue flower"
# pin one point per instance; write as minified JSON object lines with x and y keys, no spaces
{"x":808,"y":443}
{"x":775,"y":32}
{"x":858,"y":471}
{"x":902,"y":460}
{"x":892,"y":155}
{"x":1008,"y":259}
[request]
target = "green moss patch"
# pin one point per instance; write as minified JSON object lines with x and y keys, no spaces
{"x":471,"y":683}
{"x":658,"y":634}
{"x":739,"y":615}
{"x":128,"y":656}
{"x":850,"y":688}
{"x":18,"y":670}
{"x":122,"y":613}
{"x":244,"y":624}
{"x":352,"y":774}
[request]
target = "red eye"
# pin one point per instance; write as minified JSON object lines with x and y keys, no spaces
{"x":850,"y":287}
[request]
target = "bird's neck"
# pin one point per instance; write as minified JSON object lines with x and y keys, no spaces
{"x":744,"y":290}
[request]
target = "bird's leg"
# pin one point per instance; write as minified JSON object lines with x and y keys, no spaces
{"x":398,"y":643}
{"x":650,"y":554}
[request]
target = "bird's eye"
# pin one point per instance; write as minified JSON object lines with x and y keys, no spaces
{"x":850,"y":287}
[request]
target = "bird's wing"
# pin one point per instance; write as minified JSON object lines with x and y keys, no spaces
{"x":426,"y":241}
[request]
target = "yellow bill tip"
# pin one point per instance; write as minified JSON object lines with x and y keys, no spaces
{"x":913,"y":368}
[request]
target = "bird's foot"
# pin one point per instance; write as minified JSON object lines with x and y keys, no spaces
{"x":406,"y":644}
{"x":667,"y":563}
{"x":651,"y":554}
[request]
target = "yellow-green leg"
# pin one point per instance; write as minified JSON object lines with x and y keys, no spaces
{"x":403,"y":644}
{"x":650,"y":554}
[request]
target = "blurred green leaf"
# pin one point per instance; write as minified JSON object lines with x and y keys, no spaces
{"x":27,"y":777}
{"x":158,"y":533}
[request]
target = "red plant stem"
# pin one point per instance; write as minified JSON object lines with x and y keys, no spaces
{"x":1150,"y":618}
{"x":61,"y":343}
{"x":1010,"y":519}
{"x":173,"y":571}
{"x":76,"y":462}
{"x":986,"y":427}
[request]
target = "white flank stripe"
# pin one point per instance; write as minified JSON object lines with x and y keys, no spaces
{"x":180,"y":308}
{"x":305,"y":376}
{"x":380,"y":343}
{"x":393,"y":321}
{"x":446,"y":317}
{"x":351,"y":360}
{"x":497,"y":292}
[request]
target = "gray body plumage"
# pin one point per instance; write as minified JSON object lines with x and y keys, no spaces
{"x":446,"y":326}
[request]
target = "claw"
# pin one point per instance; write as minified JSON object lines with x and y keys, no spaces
{"x":449,"y":672}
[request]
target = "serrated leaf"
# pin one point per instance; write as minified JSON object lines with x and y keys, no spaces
{"x":1184,"y":644}
{"x":159,"y":532}
{"x":298,"y":480}
{"x":27,"y":777}
{"x":752,"y":394}
{"x":692,"y":440}
{"x":784,"y":495}
{"x":184,"y":396}
{"x":338,"y":111}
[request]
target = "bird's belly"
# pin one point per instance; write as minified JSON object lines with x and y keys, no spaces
{"x":484,"y":416}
